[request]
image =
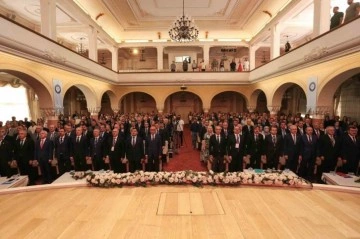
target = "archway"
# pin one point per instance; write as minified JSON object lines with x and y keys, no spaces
{"x":327,"y":92}
{"x":292,"y":99}
{"x":228,"y":101}
{"x":75,"y":102}
{"x":138,"y":102}
{"x":258,"y":100}
{"x":183,"y":102}
{"x":35,"y":93}
{"x":347,"y":98}
{"x":108,"y":103}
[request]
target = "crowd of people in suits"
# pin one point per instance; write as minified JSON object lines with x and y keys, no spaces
{"x":121,"y":143}
{"x":308,"y":148}
{"x":130,"y":142}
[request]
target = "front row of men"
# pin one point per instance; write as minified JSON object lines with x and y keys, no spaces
{"x":307,"y":155}
{"x":80,"y":153}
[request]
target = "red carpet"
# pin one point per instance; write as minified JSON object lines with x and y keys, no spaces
{"x":187,"y":158}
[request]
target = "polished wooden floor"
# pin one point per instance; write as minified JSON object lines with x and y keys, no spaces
{"x":180,"y":212}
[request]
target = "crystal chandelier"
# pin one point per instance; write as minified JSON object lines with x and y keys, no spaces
{"x":183,"y":29}
{"x":80,"y":48}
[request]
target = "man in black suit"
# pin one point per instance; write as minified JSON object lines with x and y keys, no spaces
{"x":273,"y":147}
{"x":103,"y":134}
{"x":350,"y":150}
{"x":97,"y":150}
{"x":255,"y":147}
{"x":24,"y":155}
{"x":6,"y":154}
{"x":248,"y":129}
{"x":62,"y":152}
{"x":115,"y":152}
{"x":217,"y":150}
{"x":79,"y":146}
{"x":319,"y":133}
{"x":309,"y":153}
{"x":44,"y":150}
{"x":293,"y":149}
{"x":145,"y":131}
{"x":236,"y":150}
{"x":283,"y":131}
{"x":134,"y":149}
{"x":153,"y":150}
{"x":52,"y":135}
{"x":329,"y":147}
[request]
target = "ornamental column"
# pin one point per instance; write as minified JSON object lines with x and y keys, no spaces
{"x":48,"y":18}
{"x":115,"y":58}
{"x":275,"y":41}
{"x":321,"y":21}
{"x":93,"y":51}
{"x":273,"y":110}
{"x":206,"y":52}
{"x":160,"y":58}
{"x":252,"y":51}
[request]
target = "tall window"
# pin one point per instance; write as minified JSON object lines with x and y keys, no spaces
{"x":13,"y":102}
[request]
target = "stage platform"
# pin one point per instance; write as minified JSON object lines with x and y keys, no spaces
{"x":61,"y":211}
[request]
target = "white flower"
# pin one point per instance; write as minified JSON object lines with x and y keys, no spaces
{"x":102,"y":181}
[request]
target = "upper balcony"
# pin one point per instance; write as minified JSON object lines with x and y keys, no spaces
{"x":23,"y":42}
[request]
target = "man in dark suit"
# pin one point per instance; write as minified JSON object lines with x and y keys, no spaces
{"x":319,"y":133}
{"x":236,"y":150}
{"x":283,"y":131}
{"x":134,"y":149}
{"x":273,"y":147}
{"x":52,"y":135}
{"x":153,"y":150}
{"x":6,"y":154}
{"x":115,"y":152}
{"x":44,"y":150}
{"x":217,"y":150}
{"x":145,"y":131}
{"x":103,"y":134}
{"x":293,"y":149}
{"x":255,"y":147}
{"x":24,"y":155}
{"x":329,"y":147}
{"x":97,"y":150}
{"x":350,"y":150}
{"x":309,"y":153}
{"x":248,"y":129}
{"x":79,"y":146}
{"x":62,"y":152}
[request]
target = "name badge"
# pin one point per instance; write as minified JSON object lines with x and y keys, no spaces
{"x":237,"y":145}
{"x":112,"y":149}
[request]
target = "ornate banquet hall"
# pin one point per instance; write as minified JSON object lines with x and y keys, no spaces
{"x":98,"y":58}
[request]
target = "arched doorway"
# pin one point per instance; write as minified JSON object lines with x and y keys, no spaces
{"x":109,"y":103}
{"x":293,"y":99}
{"x":138,"y":102}
{"x":35,"y":96}
{"x":258,"y":101}
{"x":182,"y":103}
{"x":75,"y":102}
{"x":228,"y":101}
{"x":347,"y":98}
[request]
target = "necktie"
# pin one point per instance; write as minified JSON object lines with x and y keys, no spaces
{"x":22,"y":142}
{"x":42,"y":143}
{"x":255,"y":137}
{"x":77,"y":139}
{"x":309,"y":138}
{"x":61,"y":140}
{"x":294,"y":138}
{"x":96,"y":140}
{"x":152,"y":137}
{"x":114,"y":142}
{"x":133,"y":141}
{"x":332,"y":140}
{"x":237,"y":139}
{"x":274,"y":139}
{"x":354,"y":139}
{"x":52,"y":136}
{"x":218,"y":139}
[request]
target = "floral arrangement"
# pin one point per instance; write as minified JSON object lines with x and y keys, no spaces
{"x":141,"y":178}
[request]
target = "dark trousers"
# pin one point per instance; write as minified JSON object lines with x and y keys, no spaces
{"x":64,"y":164}
{"x":5,"y":170}
{"x":45,"y":170}
{"x":134,"y":165}
{"x":218,"y":164}
{"x":98,"y":163}
{"x":153,"y":163}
